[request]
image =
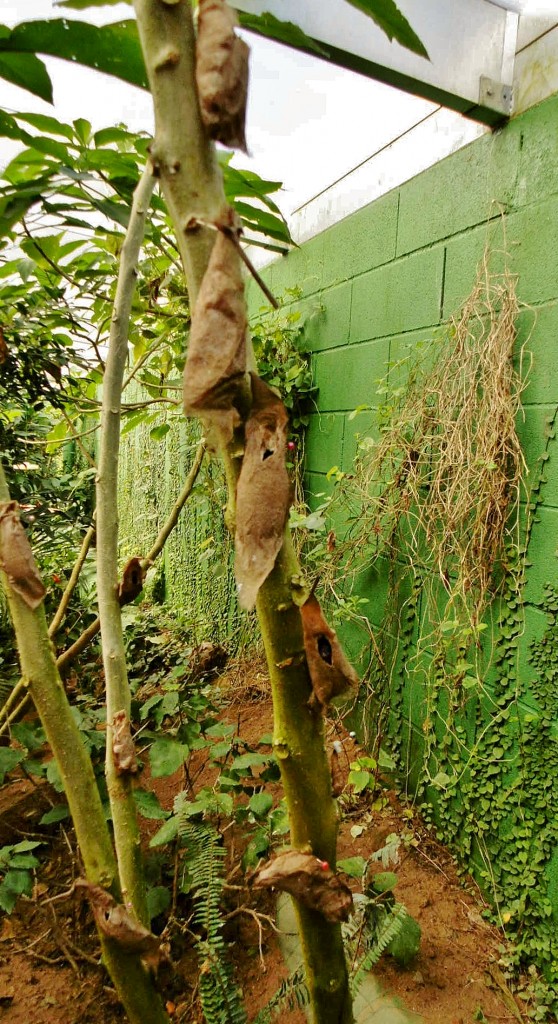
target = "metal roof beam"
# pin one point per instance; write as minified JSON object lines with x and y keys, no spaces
{"x":471,"y":45}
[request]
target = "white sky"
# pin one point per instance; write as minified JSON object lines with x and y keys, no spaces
{"x":308,"y":122}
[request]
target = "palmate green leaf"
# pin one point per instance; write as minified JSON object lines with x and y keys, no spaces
{"x":281,"y":31}
{"x":27,"y":71}
{"x":389,"y":18}
{"x":114,"y":49}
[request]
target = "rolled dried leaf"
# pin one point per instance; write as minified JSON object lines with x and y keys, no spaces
{"x":131,"y":584}
{"x":118,"y":924}
{"x":221,"y":74}
{"x":330,"y":671}
{"x":216,"y":362}
{"x":263,"y":494}
{"x":310,"y":880}
{"x":337,"y":773}
{"x":16,"y":557}
{"x":123,"y":749}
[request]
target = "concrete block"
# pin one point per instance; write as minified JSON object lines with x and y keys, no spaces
{"x":362,"y":241}
{"x":401,"y":296}
{"x":347,"y":377}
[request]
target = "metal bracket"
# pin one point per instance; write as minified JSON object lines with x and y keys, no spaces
{"x":495,"y":95}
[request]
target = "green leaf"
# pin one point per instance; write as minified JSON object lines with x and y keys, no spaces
{"x":167,"y":833}
{"x":352,"y":866}
{"x":48,"y":125}
{"x":260,"y":804}
{"x":54,"y":777}
{"x":246,"y":761}
{"x":27,"y":71}
{"x":389,"y":18}
{"x":148,"y":805}
{"x":114,"y":49}
{"x":359,"y":780}
{"x":385,"y":881}
{"x":166,"y":756}
{"x":8,"y":760}
{"x":406,"y":944}
{"x":158,"y":433}
{"x":287,"y":32}
{"x":18,"y":882}
{"x":81,"y":5}
{"x":158,"y":900}
{"x":58,"y":813}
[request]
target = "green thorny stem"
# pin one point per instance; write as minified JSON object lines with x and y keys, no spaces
{"x":184,"y":159}
{"x":124,"y":817}
{"x":38,"y":667}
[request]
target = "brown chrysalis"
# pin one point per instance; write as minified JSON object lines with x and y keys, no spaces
{"x":118,"y":924}
{"x":330,"y":671}
{"x":221,"y":73}
{"x":216,"y":361}
{"x":263,"y":494}
{"x":310,"y":880}
{"x":131,"y":583}
{"x":16,"y":557}
{"x":123,"y":749}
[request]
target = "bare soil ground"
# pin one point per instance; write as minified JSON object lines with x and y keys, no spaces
{"x":49,"y":959}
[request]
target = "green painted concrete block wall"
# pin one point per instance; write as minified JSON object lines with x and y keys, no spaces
{"x":383,"y":279}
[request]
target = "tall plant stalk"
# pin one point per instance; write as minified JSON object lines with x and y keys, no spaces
{"x":184,"y":160}
{"x":124,"y":817}
{"x":38,"y":667}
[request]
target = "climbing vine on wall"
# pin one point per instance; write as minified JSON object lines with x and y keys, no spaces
{"x":436,"y":521}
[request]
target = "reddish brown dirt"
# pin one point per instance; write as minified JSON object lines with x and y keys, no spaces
{"x":49,"y":970}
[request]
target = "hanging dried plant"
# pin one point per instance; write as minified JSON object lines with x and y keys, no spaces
{"x":263,"y":495}
{"x":118,"y":924}
{"x":330,"y":671}
{"x":17,"y":558}
{"x":221,"y":73}
{"x":215,"y":366}
{"x":310,"y":880}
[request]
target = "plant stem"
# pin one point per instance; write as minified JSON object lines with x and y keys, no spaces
{"x":39,"y":670}
{"x":124,"y":817}
{"x":71,"y":585}
{"x":191,"y":183}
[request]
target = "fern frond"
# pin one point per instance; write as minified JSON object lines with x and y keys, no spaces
{"x":377,"y":939}
{"x":293,"y":993}
{"x":220,"y":998}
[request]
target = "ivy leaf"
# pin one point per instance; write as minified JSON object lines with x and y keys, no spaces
{"x":158,"y":900}
{"x":166,"y":756}
{"x":114,"y":49}
{"x":8,"y":760}
{"x":389,"y":18}
{"x":352,"y":866}
{"x":148,"y":805}
{"x":260,"y":804}
{"x":58,"y":813}
{"x":385,"y":881}
{"x":27,"y":71}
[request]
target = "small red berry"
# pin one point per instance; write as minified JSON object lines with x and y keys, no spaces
{"x":291,"y":446}
{"x":323,"y":864}
{"x":56,"y":577}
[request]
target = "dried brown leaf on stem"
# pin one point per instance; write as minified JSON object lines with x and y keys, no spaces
{"x":131,"y":584}
{"x":215,"y":367}
{"x":330,"y":672}
{"x":123,"y":749}
{"x":118,"y":924}
{"x":310,"y":880}
{"x":221,"y":73}
{"x":263,"y":494}
{"x":17,"y":558}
